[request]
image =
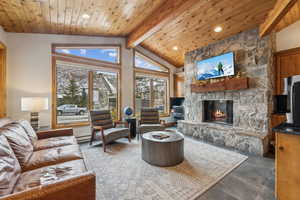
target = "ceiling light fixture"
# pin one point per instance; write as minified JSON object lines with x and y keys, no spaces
{"x":85,"y":16}
{"x":175,"y":48}
{"x":218,"y":29}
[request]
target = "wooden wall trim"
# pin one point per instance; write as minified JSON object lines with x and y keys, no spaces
{"x":3,"y":101}
{"x":288,"y":51}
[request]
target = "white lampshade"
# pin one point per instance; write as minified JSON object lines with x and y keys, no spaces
{"x":34,"y":104}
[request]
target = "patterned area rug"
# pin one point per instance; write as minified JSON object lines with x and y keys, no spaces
{"x":122,"y":174}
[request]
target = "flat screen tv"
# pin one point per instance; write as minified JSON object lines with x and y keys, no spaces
{"x":216,"y":67}
{"x":176,"y":101}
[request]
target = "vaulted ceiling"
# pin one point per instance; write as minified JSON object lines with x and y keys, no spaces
{"x":291,"y":17}
{"x":107,"y":17}
{"x":158,"y":25}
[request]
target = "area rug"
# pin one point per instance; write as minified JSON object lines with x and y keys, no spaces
{"x":122,"y":174}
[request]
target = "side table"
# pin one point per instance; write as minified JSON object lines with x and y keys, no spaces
{"x":132,"y":126}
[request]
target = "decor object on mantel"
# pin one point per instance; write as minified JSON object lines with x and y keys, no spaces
{"x":228,"y":84}
{"x":34,"y":105}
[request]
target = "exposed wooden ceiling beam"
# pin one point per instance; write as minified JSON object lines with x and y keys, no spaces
{"x":159,"y":18}
{"x":279,"y":11}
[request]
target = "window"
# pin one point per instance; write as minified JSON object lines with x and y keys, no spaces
{"x":106,"y":54}
{"x":151,"y":85}
{"x":151,"y":91}
{"x":80,"y":86}
{"x":144,"y":62}
{"x":105,"y":92}
{"x":71,"y":93}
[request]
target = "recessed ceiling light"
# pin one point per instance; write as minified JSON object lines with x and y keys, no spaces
{"x":218,"y":29}
{"x":175,"y":48}
{"x":85,"y":16}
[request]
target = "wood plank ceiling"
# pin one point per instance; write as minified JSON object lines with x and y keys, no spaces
{"x":291,"y":17}
{"x":107,"y":17}
{"x":191,"y":29}
{"x":195,"y":27}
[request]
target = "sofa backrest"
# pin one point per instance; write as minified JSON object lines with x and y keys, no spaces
{"x":29,"y":130}
{"x":4,"y":121}
{"x":19,"y":141}
{"x":9,"y":167}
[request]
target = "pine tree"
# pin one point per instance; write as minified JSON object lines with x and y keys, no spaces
{"x":71,"y":93}
{"x":83,"y":98}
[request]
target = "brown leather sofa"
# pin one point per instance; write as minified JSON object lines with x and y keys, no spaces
{"x":45,"y":165}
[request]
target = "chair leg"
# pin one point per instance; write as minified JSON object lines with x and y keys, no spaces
{"x":92,"y":138}
{"x":104,"y":147}
{"x":129,"y":138}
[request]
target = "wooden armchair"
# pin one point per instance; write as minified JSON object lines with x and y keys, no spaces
{"x":103,"y":128}
{"x":150,"y":121}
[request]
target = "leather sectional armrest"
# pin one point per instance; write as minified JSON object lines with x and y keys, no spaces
{"x":55,"y":133}
{"x":74,"y":188}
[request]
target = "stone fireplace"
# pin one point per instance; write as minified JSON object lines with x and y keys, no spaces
{"x":218,"y":111}
{"x":237,"y":119}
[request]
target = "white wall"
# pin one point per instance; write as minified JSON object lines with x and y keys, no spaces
{"x":29,"y":68}
{"x":2,"y":36}
{"x":289,"y":37}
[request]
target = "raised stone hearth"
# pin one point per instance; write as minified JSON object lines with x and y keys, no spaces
{"x":251,"y":107}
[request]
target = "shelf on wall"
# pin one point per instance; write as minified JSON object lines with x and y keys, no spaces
{"x":229,"y":84}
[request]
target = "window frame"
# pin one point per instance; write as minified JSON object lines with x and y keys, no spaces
{"x":147,"y":58}
{"x":99,"y":65}
{"x":151,"y":73}
{"x":79,"y":46}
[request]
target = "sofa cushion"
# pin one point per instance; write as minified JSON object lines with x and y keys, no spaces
{"x":29,"y":130}
{"x":9,"y":167}
{"x":49,"y":174}
{"x":52,"y":156}
{"x":54,"y":142}
{"x":19,"y":141}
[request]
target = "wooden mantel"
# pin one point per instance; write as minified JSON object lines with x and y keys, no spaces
{"x":229,"y":84}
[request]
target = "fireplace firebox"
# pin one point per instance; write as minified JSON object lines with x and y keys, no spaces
{"x":218,"y":111}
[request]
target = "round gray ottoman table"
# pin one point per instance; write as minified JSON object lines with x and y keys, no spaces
{"x":163,"y":148}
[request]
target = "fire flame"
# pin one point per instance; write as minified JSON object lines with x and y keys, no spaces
{"x":219,"y":114}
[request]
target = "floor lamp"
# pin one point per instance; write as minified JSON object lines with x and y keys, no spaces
{"x":34,"y":105}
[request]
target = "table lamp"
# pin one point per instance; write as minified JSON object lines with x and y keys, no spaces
{"x":34,"y":105}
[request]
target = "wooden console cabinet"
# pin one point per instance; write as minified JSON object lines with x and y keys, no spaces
{"x":287,"y":165}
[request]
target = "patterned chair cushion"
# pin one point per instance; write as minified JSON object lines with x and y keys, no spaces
{"x":144,"y":128}
{"x":149,"y":116}
{"x":113,"y":134}
{"x":101,"y":118}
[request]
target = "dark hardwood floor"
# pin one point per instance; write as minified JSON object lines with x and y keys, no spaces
{"x":253,"y":180}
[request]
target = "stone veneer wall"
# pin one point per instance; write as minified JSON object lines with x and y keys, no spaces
{"x":251,"y":107}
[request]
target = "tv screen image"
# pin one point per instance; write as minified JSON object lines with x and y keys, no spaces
{"x":215,"y":67}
